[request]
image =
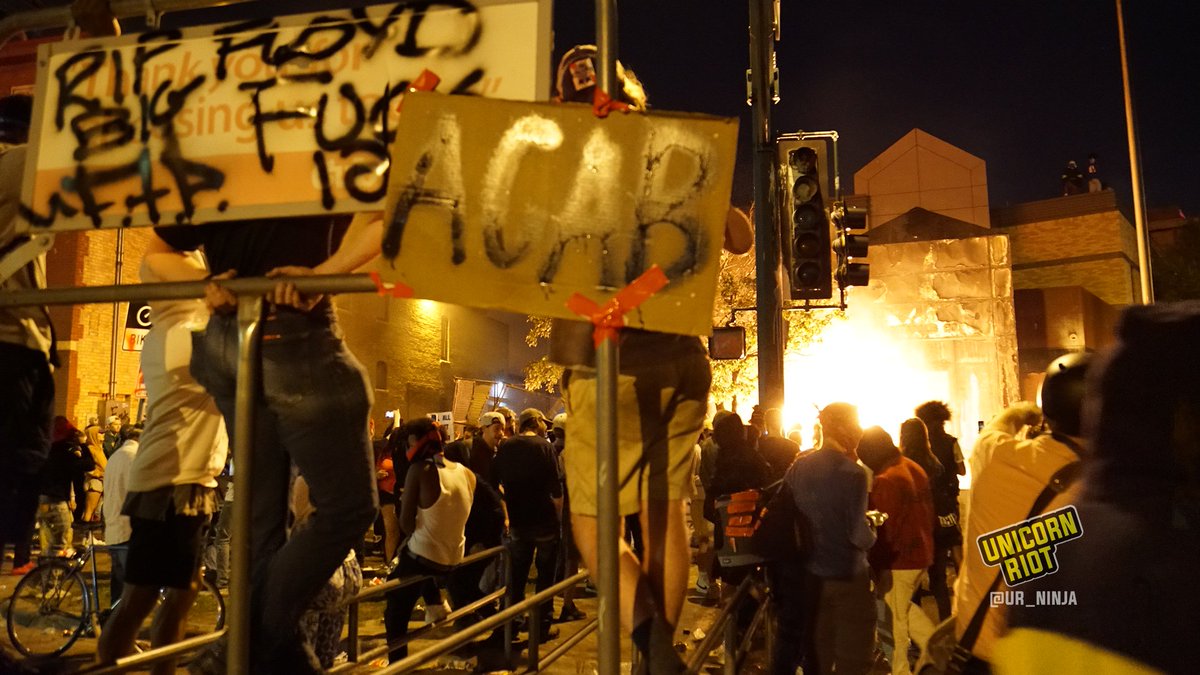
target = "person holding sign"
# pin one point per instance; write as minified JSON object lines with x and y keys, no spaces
{"x":312,"y":410}
{"x":662,"y":399}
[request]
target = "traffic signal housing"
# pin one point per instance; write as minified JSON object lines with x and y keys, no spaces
{"x":852,"y":243}
{"x":807,"y":246}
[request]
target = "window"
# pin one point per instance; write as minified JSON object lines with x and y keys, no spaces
{"x":381,"y":375}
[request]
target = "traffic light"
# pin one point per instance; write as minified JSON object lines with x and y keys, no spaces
{"x":806,"y":222}
{"x":852,"y":242}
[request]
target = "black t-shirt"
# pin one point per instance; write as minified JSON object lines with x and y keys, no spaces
{"x":255,"y":247}
{"x":779,"y":453}
{"x":67,"y":463}
{"x":528,"y":469}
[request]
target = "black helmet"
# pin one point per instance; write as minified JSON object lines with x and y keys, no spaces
{"x":1061,"y":395}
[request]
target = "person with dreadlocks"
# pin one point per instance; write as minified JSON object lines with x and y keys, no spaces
{"x":433,"y":514}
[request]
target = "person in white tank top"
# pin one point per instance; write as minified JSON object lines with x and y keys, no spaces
{"x":433,"y":513}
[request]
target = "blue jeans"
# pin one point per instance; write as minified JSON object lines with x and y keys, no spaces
{"x":311,"y":411}
{"x":539,"y":551}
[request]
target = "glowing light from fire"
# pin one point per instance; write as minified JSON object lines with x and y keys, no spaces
{"x":858,"y":362}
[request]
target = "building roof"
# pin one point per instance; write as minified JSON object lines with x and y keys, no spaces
{"x":919,"y":224}
{"x":1056,"y":208}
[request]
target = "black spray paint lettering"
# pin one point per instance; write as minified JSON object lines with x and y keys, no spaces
{"x":445,"y":155}
{"x":671,"y":206}
{"x":669,"y":203}
{"x":531,"y":132}
{"x":594,"y":191}
{"x":107,"y":126}
{"x":69,"y":82}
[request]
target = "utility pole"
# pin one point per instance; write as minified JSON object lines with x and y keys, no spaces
{"x":1135,"y":169}
{"x":763,"y":78}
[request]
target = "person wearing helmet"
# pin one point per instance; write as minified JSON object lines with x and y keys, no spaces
{"x":1009,"y":485}
{"x":1133,"y":571}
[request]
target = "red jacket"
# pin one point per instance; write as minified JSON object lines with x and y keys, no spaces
{"x":905,"y":541}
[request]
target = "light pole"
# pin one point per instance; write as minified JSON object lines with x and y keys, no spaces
{"x":1135,"y":170}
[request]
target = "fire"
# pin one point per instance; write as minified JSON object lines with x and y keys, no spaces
{"x":857,"y":361}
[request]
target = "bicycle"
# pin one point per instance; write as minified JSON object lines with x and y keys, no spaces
{"x":53,"y":605}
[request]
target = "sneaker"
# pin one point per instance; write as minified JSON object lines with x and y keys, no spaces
{"x":435,"y":613}
{"x":23,"y":569}
{"x":702,"y":582}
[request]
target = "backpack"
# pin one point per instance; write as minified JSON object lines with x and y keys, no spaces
{"x":760,"y":525}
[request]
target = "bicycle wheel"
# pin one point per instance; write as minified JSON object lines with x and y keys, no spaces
{"x":48,"y":610}
{"x":208,"y":612}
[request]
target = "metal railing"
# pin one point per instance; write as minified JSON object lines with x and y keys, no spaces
{"x":725,"y":628}
{"x":250,"y":315}
{"x":352,"y":637}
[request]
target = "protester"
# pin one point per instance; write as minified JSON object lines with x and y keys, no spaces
{"x":116,"y":526}
{"x":172,"y":479}
{"x":321,"y":624}
{"x":738,"y":467}
{"x":1011,"y":484}
{"x":778,"y":450}
{"x":112,"y":434}
{"x":1002,"y":429}
{"x":1133,"y":603}
{"x":510,"y":421}
{"x":661,"y":405}
{"x":903,"y":548}
{"x":27,"y":354}
{"x":832,"y":627}
{"x":92,"y":486}
{"x":67,"y":461}
{"x":914,"y":445}
{"x":385,"y":483}
{"x":323,"y":430}
{"x":529,"y":475}
{"x":569,"y":552}
{"x":434,"y":509}
{"x":947,"y":545}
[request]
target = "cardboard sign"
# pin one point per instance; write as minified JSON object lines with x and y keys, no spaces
{"x":258,"y":119}
{"x":516,"y":206}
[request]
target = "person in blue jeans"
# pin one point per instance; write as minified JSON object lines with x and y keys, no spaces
{"x":312,"y":411}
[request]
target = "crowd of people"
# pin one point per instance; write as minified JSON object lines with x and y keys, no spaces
{"x":881,"y":522}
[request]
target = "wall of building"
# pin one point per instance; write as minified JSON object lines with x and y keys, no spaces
{"x":921,"y":170}
{"x":1096,"y":250}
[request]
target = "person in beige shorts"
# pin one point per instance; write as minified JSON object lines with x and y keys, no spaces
{"x":662,"y":399}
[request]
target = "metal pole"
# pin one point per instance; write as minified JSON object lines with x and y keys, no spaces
{"x":1135,"y":170}
{"x":250,"y":311}
{"x":116,"y":327}
{"x":608,"y":519}
{"x":766,"y":231}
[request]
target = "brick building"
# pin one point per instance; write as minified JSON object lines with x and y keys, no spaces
{"x":1073,"y":259}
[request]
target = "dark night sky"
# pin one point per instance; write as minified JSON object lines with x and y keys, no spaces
{"x":1023,"y":84}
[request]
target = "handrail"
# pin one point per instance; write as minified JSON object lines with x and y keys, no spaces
{"x":137,"y":661}
{"x":714,"y":634}
{"x":60,"y":17}
{"x":396,"y":584}
{"x":459,"y":613}
{"x":464,"y":636}
{"x":182,"y":290}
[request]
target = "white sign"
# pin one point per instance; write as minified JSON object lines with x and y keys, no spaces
{"x":278,"y":117}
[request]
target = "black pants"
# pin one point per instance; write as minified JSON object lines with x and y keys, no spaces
{"x":26,"y":412}
{"x":311,"y":411}
{"x":526,"y":551}
{"x":400,"y":602}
